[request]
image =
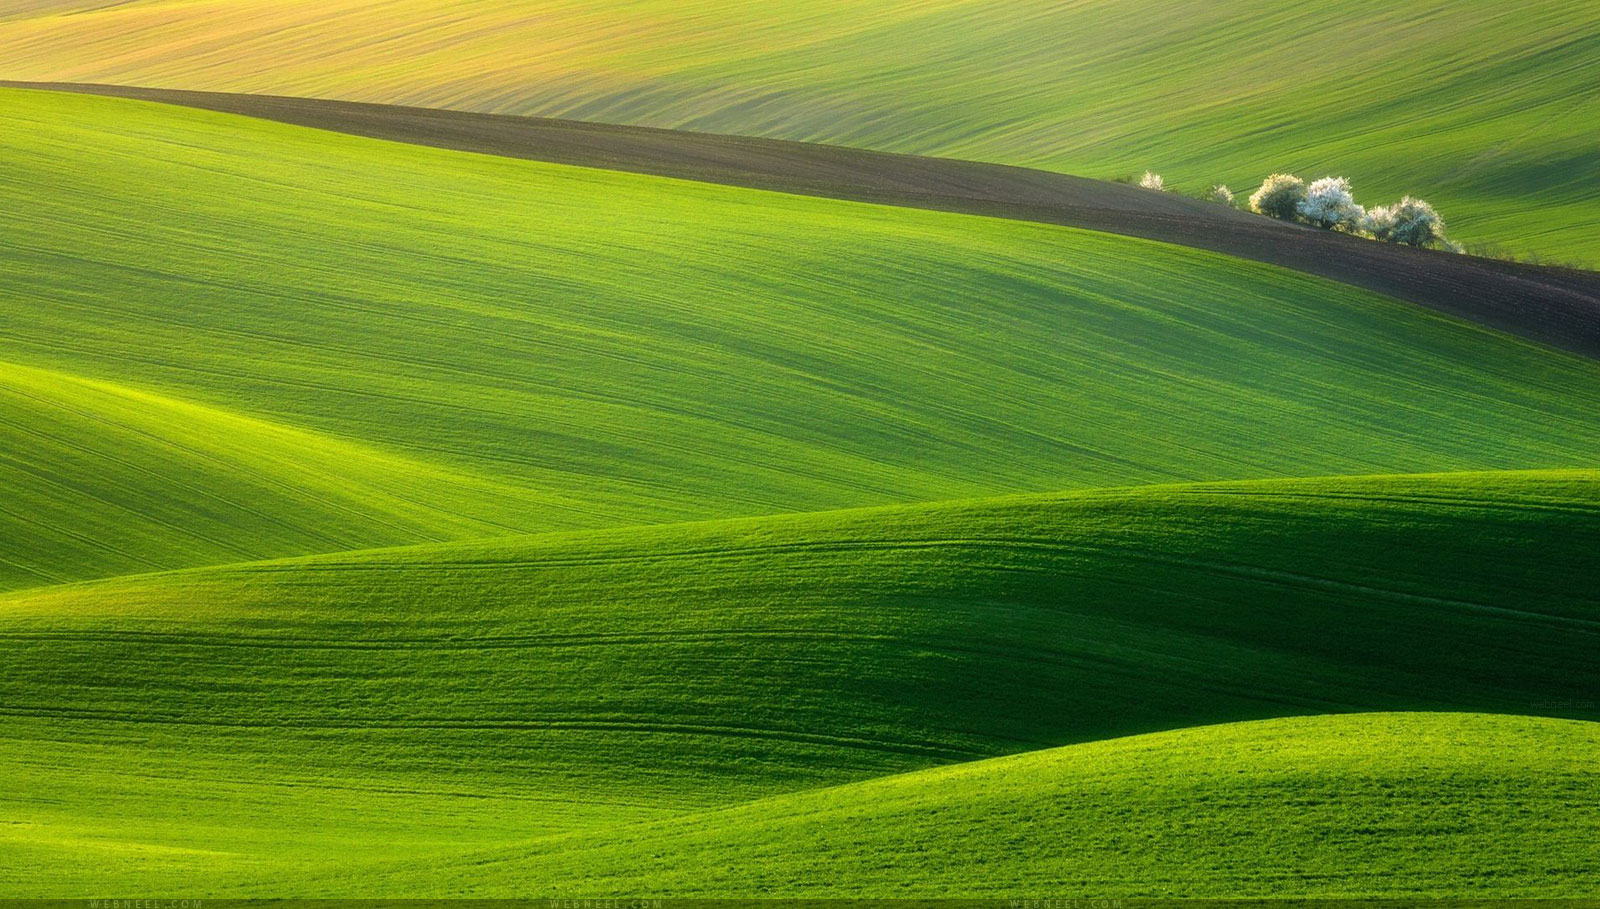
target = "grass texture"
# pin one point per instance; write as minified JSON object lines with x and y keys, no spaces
{"x":103,"y":479}
{"x":1370,"y":805}
{"x":442,"y":345}
{"x":272,"y":357}
{"x":317,"y":722}
{"x":1481,"y":107}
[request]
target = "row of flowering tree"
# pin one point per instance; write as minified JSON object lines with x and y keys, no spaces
{"x":1329,"y":204}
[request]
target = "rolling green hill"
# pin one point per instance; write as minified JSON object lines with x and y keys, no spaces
{"x":259,"y":353}
{"x":444,"y":345}
{"x":103,"y":480}
{"x":1483,"y":107}
{"x":1371,"y":806}
{"x":316,"y":717}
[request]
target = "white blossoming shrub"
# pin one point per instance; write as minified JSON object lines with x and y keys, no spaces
{"x":1378,"y":223}
{"x":1280,"y":196}
{"x":1329,"y":205}
{"x":1412,"y":222}
{"x":1221,"y":194}
{"x":1153,"y":181}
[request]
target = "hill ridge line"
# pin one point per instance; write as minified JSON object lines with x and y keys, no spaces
{"x":131,"y":411}
{"x":619,"y":533}
{"x":166,"y":398}
{"x":1554,"y":306}
{"x":1126,"y":747}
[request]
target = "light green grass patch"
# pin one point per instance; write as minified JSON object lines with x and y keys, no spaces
{"x":613,"y":349}
{"x":1365,"y":806}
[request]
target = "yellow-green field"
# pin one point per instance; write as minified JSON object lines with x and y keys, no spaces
{"x":1483,"y":107}
{"x":389,"y":344}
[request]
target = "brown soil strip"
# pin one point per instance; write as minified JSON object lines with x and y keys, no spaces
{"x":1556,"y":306}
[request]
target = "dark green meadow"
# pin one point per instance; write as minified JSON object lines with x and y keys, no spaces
{"x":566,"y":681}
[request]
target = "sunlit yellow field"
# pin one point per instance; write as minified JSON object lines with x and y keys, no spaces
{"x":1485,"y":108}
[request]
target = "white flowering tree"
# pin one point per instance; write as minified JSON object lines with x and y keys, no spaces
{"x":1378,"y":223}
{"x":1280,"y":196}
{"x":1411,"y":222}
{"x":1221,"y":194}
{"x":1329,"y":205}
{"x":1153,"y":181}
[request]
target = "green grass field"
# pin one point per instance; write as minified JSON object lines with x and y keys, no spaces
{"x":462,"y":345}
{"x":383,"y":520}
{"x":573,"y":682}
{"x":1485,"y":109}
{"x":1386,"y":805}
{"x":101,"y":479}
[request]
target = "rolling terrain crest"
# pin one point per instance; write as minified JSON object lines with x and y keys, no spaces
{"x":301,"y":341}
{"x":564,"y":348}
{"x":555,"y":684}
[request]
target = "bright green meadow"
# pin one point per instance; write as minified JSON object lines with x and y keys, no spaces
{"x":553,"y":685}
{"x":378,"y":520}
{"x":1390,"y":805}
{"x":464,"y":345}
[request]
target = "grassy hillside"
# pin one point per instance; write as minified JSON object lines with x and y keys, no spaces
{"x":103,"y":480}
{"x":1481,"y":107}
{"x":1372,"y":805}
{"x":555,"y":531}
{"x":616,"y":349}
{"x":478,"y":695}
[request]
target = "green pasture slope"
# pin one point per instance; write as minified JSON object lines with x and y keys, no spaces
{"x":339,"y":715}
{"x":1487,"y":108}
{"x":1376,"y":805}
{"x":103,"y":479}
{"x":557,"y":348}
{"x":619,"y":414}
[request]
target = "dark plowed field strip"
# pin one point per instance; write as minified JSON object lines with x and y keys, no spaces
{"x":1556,"y":306}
